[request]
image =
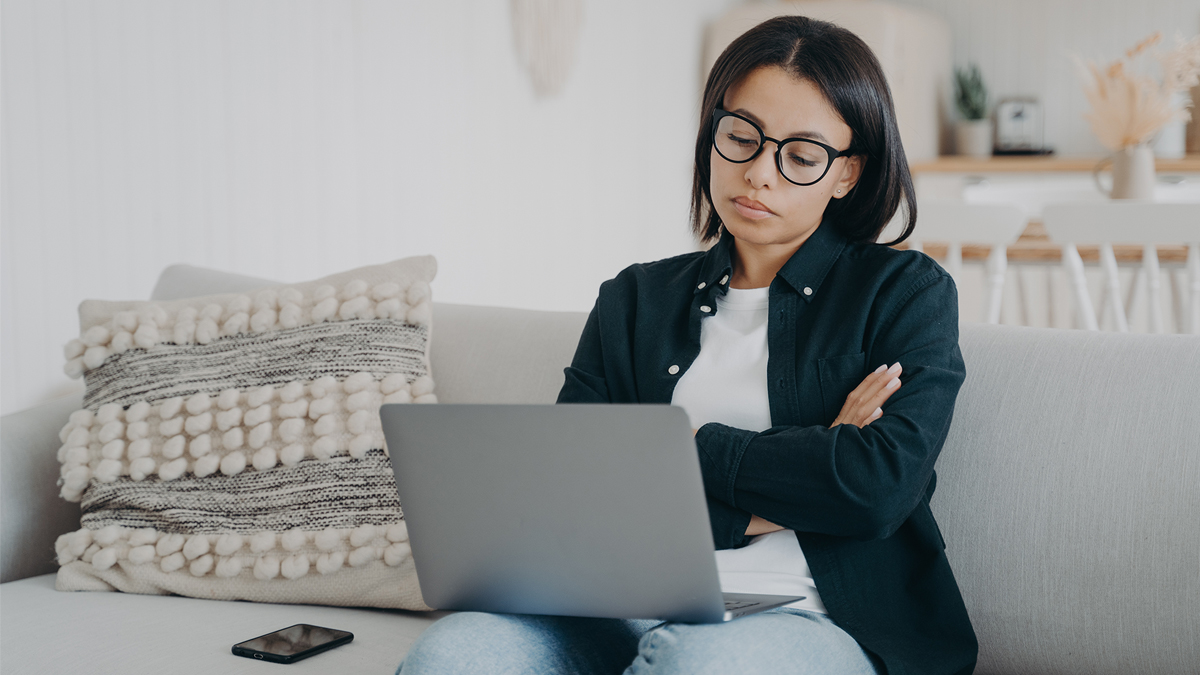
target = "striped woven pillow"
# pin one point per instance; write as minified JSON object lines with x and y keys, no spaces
{"x":229,"y":446}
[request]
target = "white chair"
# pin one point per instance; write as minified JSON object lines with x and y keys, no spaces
{"x":1133,"y":222}
{"x":957,"y":223}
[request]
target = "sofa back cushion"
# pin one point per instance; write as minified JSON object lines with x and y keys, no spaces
{"x":1069,"y":496}
{"x":188,"y":281}
{"x":500,"y":355}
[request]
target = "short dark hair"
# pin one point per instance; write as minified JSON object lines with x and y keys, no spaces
{"x":845,"y":70}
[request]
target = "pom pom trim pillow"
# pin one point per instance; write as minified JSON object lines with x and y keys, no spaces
{"x":230,"y":446}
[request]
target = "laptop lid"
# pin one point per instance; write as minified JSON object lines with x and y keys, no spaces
{"x":576,"y":510}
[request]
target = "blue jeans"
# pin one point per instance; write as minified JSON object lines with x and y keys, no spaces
{"x":776,"y":641}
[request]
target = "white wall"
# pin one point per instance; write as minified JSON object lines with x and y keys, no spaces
{"x":1022,"y":48}
{"x":295,"y":138}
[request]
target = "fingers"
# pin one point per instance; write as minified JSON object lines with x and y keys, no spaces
{"x":888,"y":384}
{"x":865,"y":404}
{"x":878,"y":386}
{"x":891,"y":381}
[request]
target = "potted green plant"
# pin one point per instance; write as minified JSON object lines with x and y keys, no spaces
{"x":974,"y":131}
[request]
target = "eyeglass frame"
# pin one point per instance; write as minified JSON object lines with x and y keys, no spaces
{"x":833,"y":152}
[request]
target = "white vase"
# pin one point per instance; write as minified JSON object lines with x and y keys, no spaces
{"x":1132,"y":173}
{"x":974,"y":138}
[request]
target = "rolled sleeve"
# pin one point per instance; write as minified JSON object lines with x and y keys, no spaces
{"x":720,"y":448}
{"x":728,"y":524}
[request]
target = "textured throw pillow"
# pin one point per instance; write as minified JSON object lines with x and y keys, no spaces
{"x":230,"y":447}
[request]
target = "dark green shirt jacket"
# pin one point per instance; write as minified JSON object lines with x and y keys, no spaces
{"x":858,"y":499}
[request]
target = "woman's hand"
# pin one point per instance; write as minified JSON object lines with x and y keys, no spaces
{"x":864,"y":404}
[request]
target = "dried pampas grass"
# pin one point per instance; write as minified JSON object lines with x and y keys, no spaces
{"x":1128,"y":108}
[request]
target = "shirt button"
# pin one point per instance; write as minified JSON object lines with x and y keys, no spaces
{"x":705,"y":308}
{"x":724,"y":279}
{"x":807,"y":290}
{"x":701,"y":286}
{"x":674,"y":370}
{"x":781,"y":383}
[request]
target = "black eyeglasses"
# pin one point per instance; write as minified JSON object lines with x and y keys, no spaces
{"x":802,"y":161}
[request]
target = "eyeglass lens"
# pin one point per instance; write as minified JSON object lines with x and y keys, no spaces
{"x":800,"y":161}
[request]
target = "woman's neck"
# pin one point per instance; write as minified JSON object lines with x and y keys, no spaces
{"x":755,"y":265}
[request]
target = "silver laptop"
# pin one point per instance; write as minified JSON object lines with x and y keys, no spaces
{"x":573,"y":510}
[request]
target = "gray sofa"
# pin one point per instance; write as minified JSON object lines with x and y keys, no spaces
{"x":1068,"y":494}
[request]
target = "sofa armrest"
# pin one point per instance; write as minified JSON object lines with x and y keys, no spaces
{"x":32,"y":515}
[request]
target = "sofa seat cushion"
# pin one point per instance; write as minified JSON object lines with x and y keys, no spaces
{"x":45,"y":631}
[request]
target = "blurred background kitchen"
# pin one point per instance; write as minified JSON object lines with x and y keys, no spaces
{"x":289,"y":139}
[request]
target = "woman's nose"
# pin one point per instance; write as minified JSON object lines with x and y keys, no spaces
{"x":761,"y":170}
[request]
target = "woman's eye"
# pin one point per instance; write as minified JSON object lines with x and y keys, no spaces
{"x":745,"y":142}
{"x":800,"y":161}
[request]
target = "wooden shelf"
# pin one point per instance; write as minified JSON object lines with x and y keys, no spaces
{"x":1035,"y":246}
{"x":1014,"y":164}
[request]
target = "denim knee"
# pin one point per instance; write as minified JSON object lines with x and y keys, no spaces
{"x":475,"y":642}
{"x":770,"y":643}
{"x":462,"y":643}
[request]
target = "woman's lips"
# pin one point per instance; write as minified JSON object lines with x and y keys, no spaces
{"x":751,"y":209}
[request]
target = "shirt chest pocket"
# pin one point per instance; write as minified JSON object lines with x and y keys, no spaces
{"x":839,"y":376}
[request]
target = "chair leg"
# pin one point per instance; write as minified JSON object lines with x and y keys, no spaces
{"x":1193,"y":265}
{"x":1153,"y":287}
{"x":997,"y":264}
{"x":954,"y":259}
{"x":1073,"y":266}
{"x":1179,"y":303}
{"x":1133,"y":297}
{"x":1024,"y":297}
{"x":1052,"y":298}
{"x":1108,"y":261}
{"x":1101,"y":307}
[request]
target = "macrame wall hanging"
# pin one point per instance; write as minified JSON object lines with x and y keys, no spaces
{"x":546,"y":33}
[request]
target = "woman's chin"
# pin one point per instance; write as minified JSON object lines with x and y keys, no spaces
{"x":766,"y":233}
{"x":758,"y":232}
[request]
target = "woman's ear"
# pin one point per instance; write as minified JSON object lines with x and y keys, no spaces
{"x":850,"y":175}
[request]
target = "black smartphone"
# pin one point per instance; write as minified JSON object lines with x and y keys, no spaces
{"x":292,"y":644}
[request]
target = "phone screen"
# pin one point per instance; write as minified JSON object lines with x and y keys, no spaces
{"x":292,"y":643}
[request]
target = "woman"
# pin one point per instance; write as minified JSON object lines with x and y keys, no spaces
{"x":818,"y":473}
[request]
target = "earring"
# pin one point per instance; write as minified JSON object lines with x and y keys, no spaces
{"x":839,"y":191}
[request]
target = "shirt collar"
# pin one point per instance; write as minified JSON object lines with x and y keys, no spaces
{"x":806,"y":269}
{"x":718,"y":265}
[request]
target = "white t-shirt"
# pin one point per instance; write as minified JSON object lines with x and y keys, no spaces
{"x":727,"y":383}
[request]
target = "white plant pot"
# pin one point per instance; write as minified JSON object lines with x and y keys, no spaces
{"x":974,"y":138}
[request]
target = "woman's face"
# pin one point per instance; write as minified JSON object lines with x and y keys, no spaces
{"x":757,"y":205}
